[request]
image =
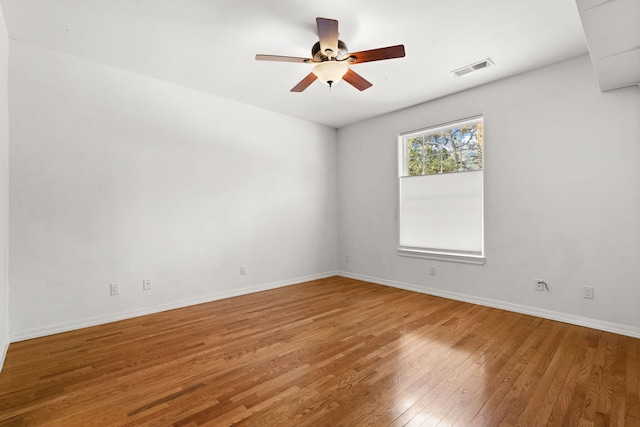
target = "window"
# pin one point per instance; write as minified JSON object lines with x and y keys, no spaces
{"x":441,"y":192}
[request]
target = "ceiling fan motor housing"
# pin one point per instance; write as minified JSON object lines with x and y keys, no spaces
{"x":319,"y":56}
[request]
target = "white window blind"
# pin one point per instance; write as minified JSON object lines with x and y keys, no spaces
{"x":442,"y":213}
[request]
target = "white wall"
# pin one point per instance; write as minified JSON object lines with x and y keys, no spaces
{"x":4,"y":191}
{"x":116,"y":177}
{"x":562,"y":198}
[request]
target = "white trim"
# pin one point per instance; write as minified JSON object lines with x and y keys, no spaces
{"x":444,"y":126}
{"x":478,"y":257}
{"x":99,"y":320}
{"x":442,"y":256}
{"x":601,"y":325}
{"x":7,"y":337}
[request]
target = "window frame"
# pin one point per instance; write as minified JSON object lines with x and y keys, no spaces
{"x":459,"y":256}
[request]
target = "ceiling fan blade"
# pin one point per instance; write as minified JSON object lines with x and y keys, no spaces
{"x":304,"y":83}
{"x":377,"y":54}
{"x":328,"y":34}
{"x":279,"y":58}
{"x":356,"y":80}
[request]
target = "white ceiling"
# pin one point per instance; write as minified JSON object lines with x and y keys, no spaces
{"x":209,"y":45}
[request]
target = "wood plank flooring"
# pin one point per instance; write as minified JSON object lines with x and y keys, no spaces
{"x":332,"y":352}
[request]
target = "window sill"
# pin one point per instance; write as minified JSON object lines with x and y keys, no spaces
{"x":442,"y":256}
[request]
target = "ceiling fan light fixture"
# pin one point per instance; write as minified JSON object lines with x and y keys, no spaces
{"x":330,"y":71}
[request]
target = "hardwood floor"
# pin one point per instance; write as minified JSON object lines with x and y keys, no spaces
{"x":332,"y":352}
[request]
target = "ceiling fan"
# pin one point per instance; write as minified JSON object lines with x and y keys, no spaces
{"x":332,"y":58}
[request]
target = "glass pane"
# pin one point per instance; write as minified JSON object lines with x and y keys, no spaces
{"x":468,"y":137}
{"x":470,"y":160}
{"x":448,"y":149}
{"x":434,"y":143}
{"x":446,"y":141}
{"x":416,"y":166}
{"x":415,"y":147}
{"x":433,"y":164}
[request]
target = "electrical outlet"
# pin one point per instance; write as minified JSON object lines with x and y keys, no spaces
{"x":432,"y":270}
{"x":114,"y":289}
{"x":243,"y":270}
{"x":146,"y":284}
{"x":540,"y":285}
{"x":587,"y":292}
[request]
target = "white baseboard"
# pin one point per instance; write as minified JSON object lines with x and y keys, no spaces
{"x":99,"y":320}
{"x":4,"y":350}
{"x":517,"y":308}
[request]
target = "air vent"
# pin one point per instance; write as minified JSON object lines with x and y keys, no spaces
{"x":473,"y":67}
